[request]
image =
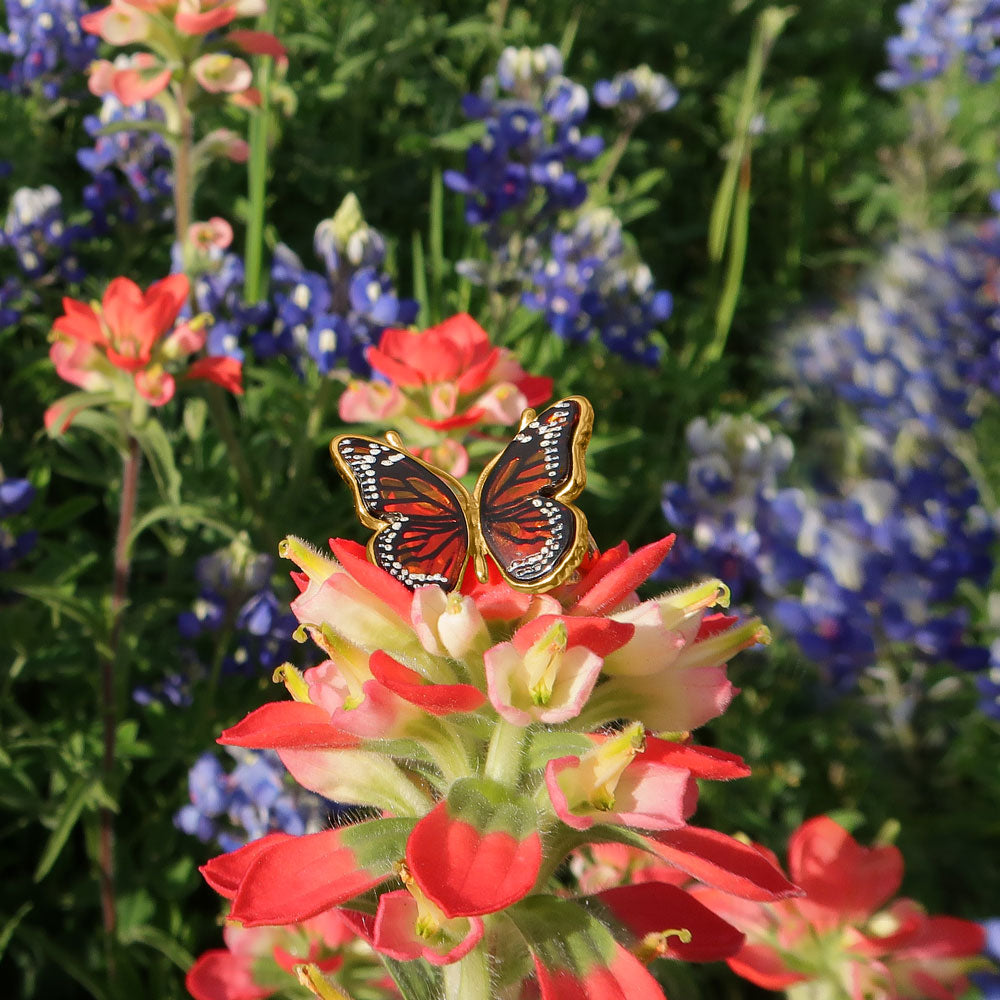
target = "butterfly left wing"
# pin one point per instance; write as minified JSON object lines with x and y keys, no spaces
{"x":526,"y":521}
{"x":418,"y":513}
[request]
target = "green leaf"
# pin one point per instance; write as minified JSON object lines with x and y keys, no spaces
{"x":7,"y":932}
{"x":81,"y":402}
{"x":160,"y":455}
{"x":182,"y":512}
{"x":154,"y":938}
{"x":66,"y":961}
{"x":52,"y":519}
{"x":76,"y":799}
{"x":417,"y":980}
{"x":58,"y":599}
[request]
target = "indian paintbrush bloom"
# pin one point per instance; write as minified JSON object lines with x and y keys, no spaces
{"x":844,"y":937}
{"x":436,"y":711}
{"x":129,"y":345}
{"x":433,"y":383}
{"x":255,"y":962}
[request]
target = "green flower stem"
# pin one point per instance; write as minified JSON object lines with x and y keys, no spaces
{"x":616,"y":154}
{"x":218,"y":407}
{"x":468,"y":979}
{"x":304,"y":445}
{"x":503,"y":758}
{"x":253,"y":285}
{"x":119,"y":599}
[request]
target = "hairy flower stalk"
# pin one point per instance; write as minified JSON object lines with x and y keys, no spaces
{"x":455,"y":719}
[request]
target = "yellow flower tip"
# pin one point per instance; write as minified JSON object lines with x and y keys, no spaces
{"x":301,"y":634}
{"x":313,"y":980}
{"x":293,"y":680}
{"x":453,"y":603}
{"x":310,"y":560}
{"x":656,"y":943}
{"x":201,"y":320}
{"x":763,"y":635}
{"x":725,"y":595}
{"x":680,"y":736}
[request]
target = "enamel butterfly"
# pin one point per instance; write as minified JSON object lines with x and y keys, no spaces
{"x":427,"y":524}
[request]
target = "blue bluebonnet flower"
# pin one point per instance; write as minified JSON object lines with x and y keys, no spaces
{"x":988,"y":982}
{"x":235,"y":591}
{"x":11,"y":292}
{"x":139,"y":155}
{"x":936,"y":34}
{"x":989,"y":694}
{"x":16,"y":496}
{"x":331,"y":318}
{"x":45,"y":44}
{"x":256,"y":798}
{"x":636,"y":93}
{"x":593,"y":282}
{"x":39,"y":236}
{"x":868,"y":560}
{"x":549,"y":248}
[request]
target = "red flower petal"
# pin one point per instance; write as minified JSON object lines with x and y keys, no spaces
{"x":225,"y":872}
{"x":303,"y":876}
{"x":655,"y":907}
{"x":257,"y":43}
{"x":438,"y":699}
{"x":202,"y":23}
{"x":702,"y":762}
{"x":466,"y":419}
{"x":714,"y":624}
{"x":385,"y":587}
{"x":720,"y":861}
{"x":763,"y":966}
{"x":614,"y":586}
{"x":835,"y":871}
{"x":468,"y":871}
{"x":227,"y":372}
{"x":221,"y":975}
{"x":624,"y":978}
{"x":288,"y":725}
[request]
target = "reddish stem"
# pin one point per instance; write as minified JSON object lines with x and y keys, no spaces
{"x":119,"y":598}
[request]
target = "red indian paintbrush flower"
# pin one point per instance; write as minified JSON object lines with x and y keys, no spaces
{"x":483,"y":728}
{"x":844,"y":935}
{"x":130,"y":342}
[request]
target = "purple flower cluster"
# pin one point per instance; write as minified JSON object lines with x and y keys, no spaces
{"x":140,"y":155}
{"x":937,"y":33}
{"x":870,"y":560}
{"x":16,"y":496}
{"x":45,"y":44}
{"x":988,"y":981}
{"x":256,"y":798}
{"x":327,"y":319}
{"x":549,"y":248}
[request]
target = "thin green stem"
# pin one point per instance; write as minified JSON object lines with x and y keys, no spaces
{"x":616,"y":154}
{"x":218,"y":407}
{"x":253,"y":286}
{"x":119,"y":599}
{"x":305,"y":444}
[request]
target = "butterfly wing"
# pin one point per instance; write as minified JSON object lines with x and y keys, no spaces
{"x":526,"y":521}
{"x":418,"y":513}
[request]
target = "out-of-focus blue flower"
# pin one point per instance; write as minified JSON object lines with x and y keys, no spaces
{"x":139,"y":155}
{"x":989,"y":982}
{"x":256,"y":798}
{"x":937,"y":33}
{"x":867,"y":560}
{"x":42,"y":242}
{"x":636,"y":93}
{"x":594,"y":283}
{"x":16,"y":496}
{"x":46,"y":45}
{"x":11,"y":291}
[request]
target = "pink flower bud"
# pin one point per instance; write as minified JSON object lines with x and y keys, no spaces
{"x":364,"y":402}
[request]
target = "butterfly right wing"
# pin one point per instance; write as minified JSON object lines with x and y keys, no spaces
{"x":419,"y":514}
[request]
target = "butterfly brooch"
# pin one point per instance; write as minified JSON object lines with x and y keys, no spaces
{"x":427,"y":524}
